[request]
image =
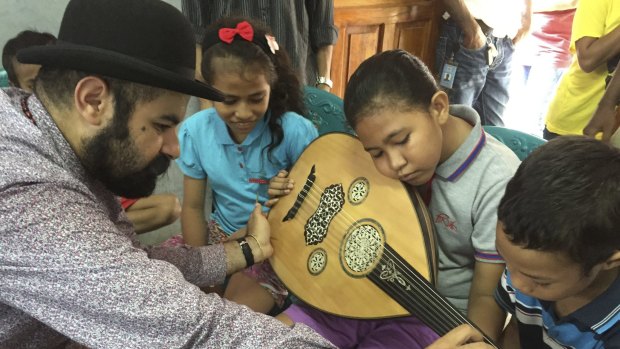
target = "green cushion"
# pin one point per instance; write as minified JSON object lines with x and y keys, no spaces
{"x":520,"y":143}
{"x":325,"y":110}
{"x":4,"y":79}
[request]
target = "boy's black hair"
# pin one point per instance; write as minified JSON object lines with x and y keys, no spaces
{"x":286,"y":91}
{"x":565,"y":197}
{"x":390,"y":79}
{"x":24,"y":39}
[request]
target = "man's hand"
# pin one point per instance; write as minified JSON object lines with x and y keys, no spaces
{"x":462,"y":337}
{"x":279,"y":185}
{"x":258,"y":227}
{"x":473,"y":37}
{"x":606,"y":120}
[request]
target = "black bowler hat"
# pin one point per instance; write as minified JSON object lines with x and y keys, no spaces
{"x":145,"y":41}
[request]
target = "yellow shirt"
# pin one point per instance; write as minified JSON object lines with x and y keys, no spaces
{"x":579,"y":92}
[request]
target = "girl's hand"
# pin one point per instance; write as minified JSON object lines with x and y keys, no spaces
{"x":462,"y":337}
{"x":279,"y":185}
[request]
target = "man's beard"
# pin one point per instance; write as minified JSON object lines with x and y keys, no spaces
{"x":113,"y":158}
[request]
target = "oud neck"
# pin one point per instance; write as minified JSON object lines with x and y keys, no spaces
{"x":414,"y":293}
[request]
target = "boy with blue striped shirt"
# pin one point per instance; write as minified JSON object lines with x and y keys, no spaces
{"x":558,"y":233}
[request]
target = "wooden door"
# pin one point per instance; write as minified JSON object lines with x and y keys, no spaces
{"x":367,"y":27}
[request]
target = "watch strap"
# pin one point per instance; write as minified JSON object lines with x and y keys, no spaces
{"x":321,"y":80}
{"x":247,"y":252}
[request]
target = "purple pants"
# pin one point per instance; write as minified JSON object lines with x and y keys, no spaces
{"x":405,"y":332}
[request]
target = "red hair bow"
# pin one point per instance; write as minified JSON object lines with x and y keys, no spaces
{"x":243,"y":29}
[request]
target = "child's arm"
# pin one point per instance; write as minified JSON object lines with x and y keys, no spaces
{"x":605,"y":118}
{"x":482,"y":308}
{"x":193,"y":222}
{"x":153,"y":212}
{"x":510,"y":336}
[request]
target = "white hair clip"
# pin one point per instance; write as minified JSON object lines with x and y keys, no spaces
{"x":273,"y":44}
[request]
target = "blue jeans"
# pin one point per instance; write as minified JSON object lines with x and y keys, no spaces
{"x":476,"y":83}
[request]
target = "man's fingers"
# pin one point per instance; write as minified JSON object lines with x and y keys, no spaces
{"x":460,"y":337}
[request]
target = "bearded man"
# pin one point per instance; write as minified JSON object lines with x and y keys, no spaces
{"x":101,"y":123}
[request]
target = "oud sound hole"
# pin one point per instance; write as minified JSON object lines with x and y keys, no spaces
{"x":362,"y":247}
{"x":317,"y":261}
{"x":358,"y":191}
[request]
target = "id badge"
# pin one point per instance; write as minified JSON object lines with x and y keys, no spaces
{"x":447,"y":74}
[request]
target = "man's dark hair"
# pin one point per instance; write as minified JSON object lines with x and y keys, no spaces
{"x":25,"y":39}
{"x":56,"y":86}
{"x":565,"y":197}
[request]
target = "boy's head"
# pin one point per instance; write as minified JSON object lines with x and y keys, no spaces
{"x":559,"y":218}
{"x":393,"y":103}
{"x":22,"y":75}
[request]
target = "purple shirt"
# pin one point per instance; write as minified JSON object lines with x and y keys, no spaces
{"x":71,"y":267}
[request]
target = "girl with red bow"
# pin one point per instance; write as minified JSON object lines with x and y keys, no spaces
{"x":240,"y":144}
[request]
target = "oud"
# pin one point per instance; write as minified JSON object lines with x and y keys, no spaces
{"x":354,"y":243}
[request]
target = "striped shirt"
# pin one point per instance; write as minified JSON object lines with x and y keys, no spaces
{"x":301,"y":27}
{"x":71,"y":269}
{"x":593,"y":326}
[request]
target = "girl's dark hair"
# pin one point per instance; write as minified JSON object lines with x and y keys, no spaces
{"x":565,"y":197}
{"x":390,"y":79}
{"x":286,"y":92}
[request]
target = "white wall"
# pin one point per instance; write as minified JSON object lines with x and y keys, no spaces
{"x":40,"y":15}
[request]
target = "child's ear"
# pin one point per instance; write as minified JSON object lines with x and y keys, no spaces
{"x":613,"y":261}
{"x":440,"y":107}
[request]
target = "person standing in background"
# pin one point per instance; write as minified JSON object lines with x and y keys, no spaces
{"x":101,"y":124}
{"x":304,"y":28}
{"x":474,"y":52}
{"x":594,"y":39}
{"x":542,"y":58}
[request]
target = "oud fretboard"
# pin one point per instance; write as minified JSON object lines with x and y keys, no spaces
{"x":414,"y":293}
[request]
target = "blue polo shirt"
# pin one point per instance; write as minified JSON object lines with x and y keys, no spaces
{"x":237,"y":172}
{"x":593,"y":326}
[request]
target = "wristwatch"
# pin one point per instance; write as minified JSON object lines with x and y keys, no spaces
{"x":321,"y":80}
